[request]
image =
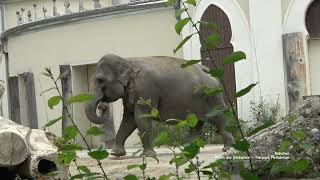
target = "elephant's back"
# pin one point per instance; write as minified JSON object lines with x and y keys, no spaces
{"x":169,"y":68}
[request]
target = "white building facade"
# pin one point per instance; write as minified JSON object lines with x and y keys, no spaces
{"x":281,"y":53}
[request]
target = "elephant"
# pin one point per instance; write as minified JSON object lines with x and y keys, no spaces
{"x":169,"y":87}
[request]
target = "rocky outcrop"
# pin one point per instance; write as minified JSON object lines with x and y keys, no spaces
{"x":296,"y":136}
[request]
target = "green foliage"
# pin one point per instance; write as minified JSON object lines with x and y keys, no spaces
{"x":131,"y":177}
{"x":70,"y":132}
{"x":245,"y":90}
{"x":182,"y":43}
{"x":264,"y":115}
{"x":95,"y":131}
{"x":66,"y":157}
{"x":52,"y":122}
{"x":192,"y":120}
{"x":180,"y":24}
{"x":80,"y":98}
{"x":189,"y":63}
{"x":161,"y":139}
{"x":212,"y":41}
{"x":192,"y":2}
{"x":234,"y":57}
{"x":241,"y":145}
{"x":53,"y":101}
{"x":99,"y":154}
{"x":299,"y":135}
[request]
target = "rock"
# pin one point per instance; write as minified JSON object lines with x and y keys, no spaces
{"x":267,"y":142}
{"x":28,"y":152}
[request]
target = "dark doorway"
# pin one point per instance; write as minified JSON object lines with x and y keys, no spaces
{"x":216,"y":15}
{"x":312,"y":19}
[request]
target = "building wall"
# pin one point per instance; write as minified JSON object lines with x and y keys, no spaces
{"x":12,"y":6}
{"x":85,"y":42}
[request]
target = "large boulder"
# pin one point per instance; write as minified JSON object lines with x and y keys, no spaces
{"x":299,"y":131}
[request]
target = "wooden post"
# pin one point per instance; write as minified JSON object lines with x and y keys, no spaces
{"x":294,"y":59}
{"x":14,"y":101}
{"x":30,"y":98}
{"x":66,"y":87}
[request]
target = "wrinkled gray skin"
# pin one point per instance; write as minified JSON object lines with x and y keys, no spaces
{"x":162,"y":80}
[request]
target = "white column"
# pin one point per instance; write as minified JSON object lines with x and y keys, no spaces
{"x":266,"y":24}
{"x":3,"y":77}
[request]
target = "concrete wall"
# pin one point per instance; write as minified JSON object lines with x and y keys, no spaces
{"x":85,"y":42}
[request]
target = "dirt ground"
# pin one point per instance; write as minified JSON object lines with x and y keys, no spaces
{"x":116,"y":168}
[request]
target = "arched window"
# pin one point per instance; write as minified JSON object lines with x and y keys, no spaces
{"x":313,"y":19}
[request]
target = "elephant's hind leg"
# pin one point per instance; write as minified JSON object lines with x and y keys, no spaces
{"x":220,"y":123}
{"x":127,"y":126}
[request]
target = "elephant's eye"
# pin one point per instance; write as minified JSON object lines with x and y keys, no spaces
{"x":99,"y":80}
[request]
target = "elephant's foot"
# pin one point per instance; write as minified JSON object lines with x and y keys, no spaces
{"x":118,"y":151}
{"x":149,"y":153}
{"x":226,"y":148}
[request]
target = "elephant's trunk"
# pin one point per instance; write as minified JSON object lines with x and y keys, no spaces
{"x":90,"y":110}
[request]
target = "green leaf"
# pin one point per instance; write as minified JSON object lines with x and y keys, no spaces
{"x":130,"y":177}
{"x":52,"y":122}
{"x":307,"y":146}
{"x":216,"y":111}
{"x":291,"y":119}
{"x":70,"y":147}
{"x":224,"y":175}
{"x":216,"y":72}
{"x":192,"y":120}
{"x":180,"y":24}
{"x":154,"y":113}
{"x":212,"y":91}
{"x":155,"y":158}
{"x":84,"y":169}
{"x":263,"y":126}
{"x":85,"y":97}
{"x":284,"y":146}
{"x":192,"y":2}
{"x":53,"y":101}
{"x":241,"y":145}
{"x":212,"y":41}
{"x":200,"y":142}
{"x":133,"y":166}
{"x":189,"y":63}
{"x":95,"y":131}
{"x":299,"y":135}
{"x":143,"y":166}
{"x":213,"y":26}
{"x":234,"y":57}
{"x":66,"y":157}
{"x":170,"y":2}
{"x":191,"y":168}
{"x":99,"y":154}
{"x":245,"y":90}
{"x":246,"y":175}
{"x":161,"y":139}
{"x":191,"y":150}
{"x":166,"y":176}
{"x":182,"y":124}
{"x":47,"y":90}
{"x":179,"y":160}
{"x":299,"y":165}
{"x":70,"y":132}
{"x":136,"y":152}
{"x":278,"y":168}
{"x":182,"y":43}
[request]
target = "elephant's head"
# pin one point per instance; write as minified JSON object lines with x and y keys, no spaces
{"x":112,"y":76}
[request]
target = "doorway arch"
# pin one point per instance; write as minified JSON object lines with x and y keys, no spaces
{"x":216,"y":15}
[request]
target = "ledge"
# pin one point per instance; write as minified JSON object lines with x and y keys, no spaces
{"x":107,"y":11}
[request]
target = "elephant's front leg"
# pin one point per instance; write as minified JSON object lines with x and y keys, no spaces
{"x":127,"y":126}
{"x":145,"y":129}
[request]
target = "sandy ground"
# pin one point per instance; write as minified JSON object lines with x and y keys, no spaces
{"x":116,"y":168}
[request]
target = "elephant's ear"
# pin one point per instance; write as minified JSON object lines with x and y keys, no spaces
{"x":127,"y":72}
